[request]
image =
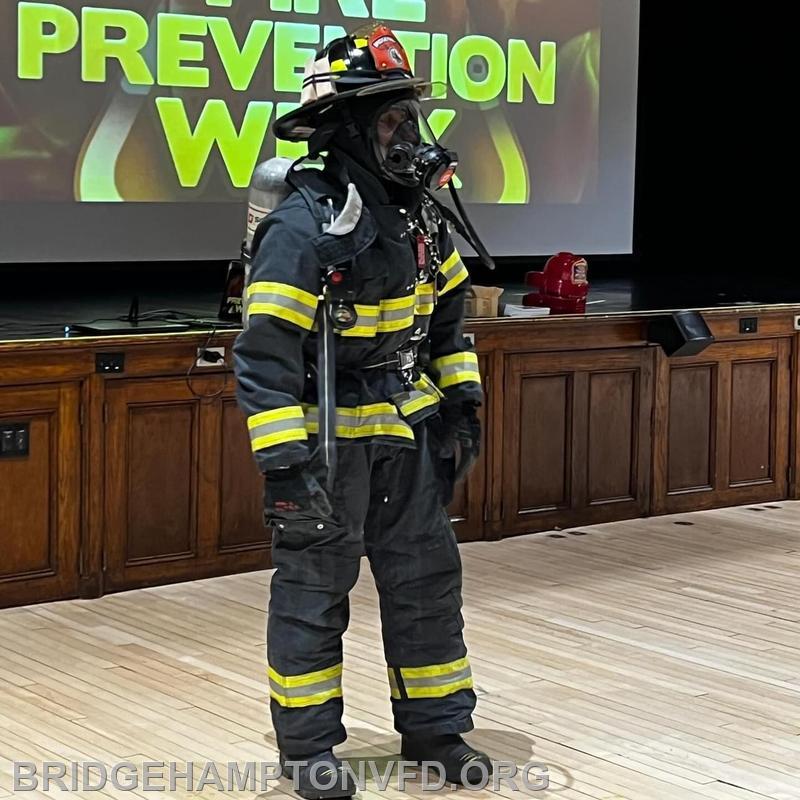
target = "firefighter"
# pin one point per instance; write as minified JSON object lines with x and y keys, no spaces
{"x":357,"y":293}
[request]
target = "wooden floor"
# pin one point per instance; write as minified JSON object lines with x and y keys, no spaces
{"x":649,"y":660}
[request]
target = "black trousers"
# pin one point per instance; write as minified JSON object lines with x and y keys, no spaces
{"x":387,"y":502}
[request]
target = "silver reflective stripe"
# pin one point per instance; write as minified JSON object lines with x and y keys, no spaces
{"x":454,"y":271}
{"x":397,"y":315}
{"x":380,"y":419}
{"x":271,"y":428}
{"x":306,"y":691}
{"x":438,"y":680}
{"x":383,"y":318}
{"x":289,"y":303}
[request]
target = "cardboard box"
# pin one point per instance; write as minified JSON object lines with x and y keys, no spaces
{"x":484,"y":301}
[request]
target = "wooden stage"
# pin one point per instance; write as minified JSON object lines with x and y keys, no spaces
{"x":654,"y":659}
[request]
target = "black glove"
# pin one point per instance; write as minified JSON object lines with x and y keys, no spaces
{"x":296,"y":492}
{"x":460,"y":428}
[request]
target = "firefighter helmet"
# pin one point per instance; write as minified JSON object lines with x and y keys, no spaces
{"x":368,"y":62}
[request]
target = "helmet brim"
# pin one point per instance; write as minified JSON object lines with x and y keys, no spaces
{"x":299,"y":125}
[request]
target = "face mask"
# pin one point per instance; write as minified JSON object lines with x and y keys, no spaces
{"x":401,"y":151}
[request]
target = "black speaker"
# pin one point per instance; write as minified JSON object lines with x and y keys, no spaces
{"x":680,"y":334}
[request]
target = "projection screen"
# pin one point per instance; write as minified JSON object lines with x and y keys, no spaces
{"x":129,"y":129}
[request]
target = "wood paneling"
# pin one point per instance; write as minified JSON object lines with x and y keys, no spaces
{"x":612,"y":429}
{"x":161,"y":493}
{"x":241,"y":488}
{"x":40,"y":500}
{"x":576,"y":438}
{"x":692,"y":402}
{"x":723,"y":422}
{"x":158,"y":483}
{"x":543,"y":446}
{"x":183,"y":495}
{"x":752,"y":391}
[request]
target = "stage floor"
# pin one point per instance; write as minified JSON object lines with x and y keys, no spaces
{"x":654,"y":659}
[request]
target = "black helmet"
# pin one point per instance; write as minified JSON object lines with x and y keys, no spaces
{"x":368,"y":62}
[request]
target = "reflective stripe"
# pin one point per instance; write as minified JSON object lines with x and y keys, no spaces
{"x":392,"y":315}
{"x":283,"y":301}
{"x":424,"y":300}
{"x":272,"y":428}
{"x":455,"y":369}
{"x":424,"y":395}
{"x":454,"y":271}
{"x":438,"y":680}
{"x":311,"y":689}
{"x":379,"y":419}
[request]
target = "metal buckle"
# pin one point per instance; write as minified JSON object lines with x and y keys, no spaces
{"x":407,"y":360}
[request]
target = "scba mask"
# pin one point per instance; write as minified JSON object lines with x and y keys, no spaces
{"x":407,"y":155}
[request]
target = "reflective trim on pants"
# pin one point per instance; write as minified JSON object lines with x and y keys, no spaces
{"x":302,"y":691}
{"x":437,"y":680}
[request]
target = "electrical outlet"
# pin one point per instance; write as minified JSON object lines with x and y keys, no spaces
{"x":110,"y":363}
{"x":748,"y":325}
{"x":204,"y":352}
{"x":797,"y":322}
{"x":15,"y":439}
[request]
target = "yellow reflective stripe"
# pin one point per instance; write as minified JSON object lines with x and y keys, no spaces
{"x":279,"y":415}
{"x":367,"y":411}
{"x":435,"y":670}
{"x":274,"y":439}
{"x":357,"y":432}
{"x":362,"y":331}
{"x":338,"y":65}
{"x":372,"y":320}
{"x":453,"y":282}
{"x":418,"y":693}
{"x":305,"y":702}
{"x":456,"y":378}
{"x":309,"y":678}
{"x":456,"y":368}
{"x":425,"y":395}
{"x":285,"y":290}
{"x":283,"y":301}
{"x":409,"y":409}
{"x":397,"y":303}
{"x":279,"y":426}
{"x":393,"y":326}
{"x":424,"y":299}
{"x":288,"y":314}
{"x":454,"y":270}
{"x":467,"y":357}
{"x":378,"y":419}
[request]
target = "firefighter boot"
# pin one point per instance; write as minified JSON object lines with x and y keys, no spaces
{"x":463,"y":765}
{"x":319,"y":777}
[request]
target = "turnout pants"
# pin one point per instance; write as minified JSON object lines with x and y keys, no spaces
{"x":387,"y":502}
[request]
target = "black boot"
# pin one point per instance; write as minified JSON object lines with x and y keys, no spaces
{"x":462,"y":763}
{"x":318,"y":771}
